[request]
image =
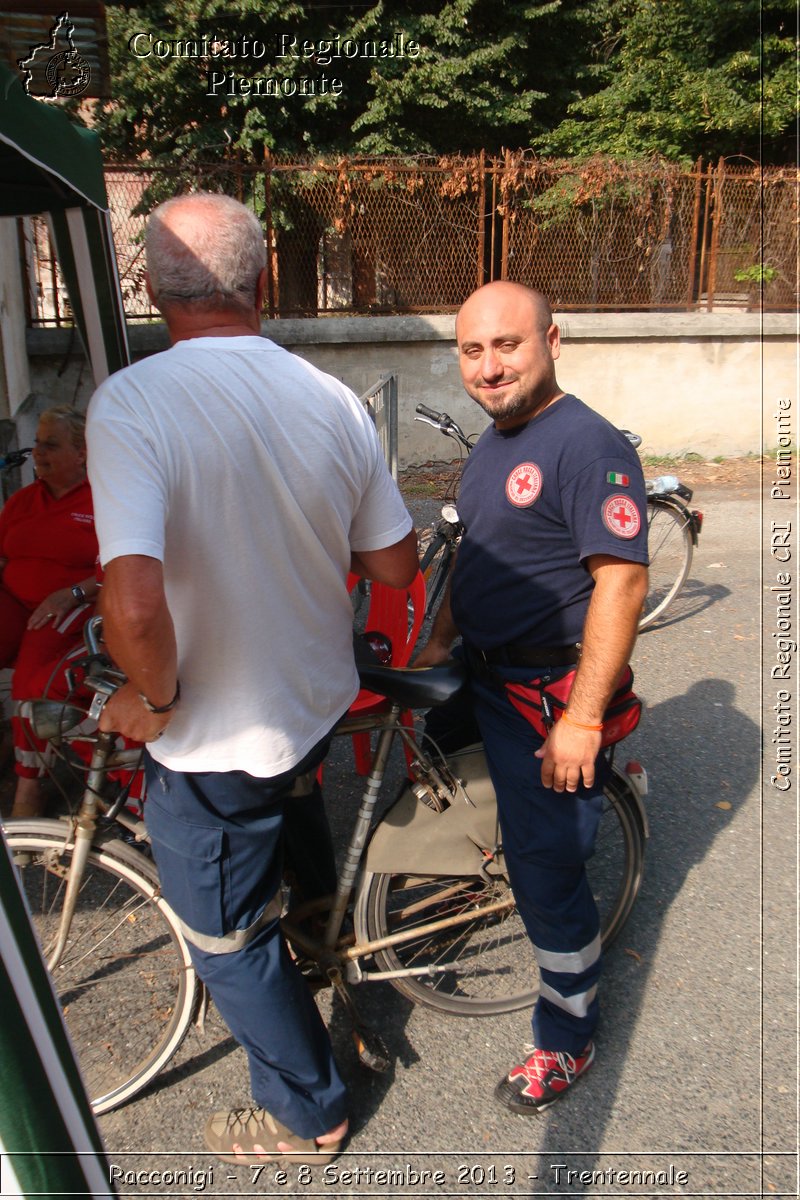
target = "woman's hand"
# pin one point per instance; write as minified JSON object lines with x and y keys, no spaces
{"x":53,"y":609}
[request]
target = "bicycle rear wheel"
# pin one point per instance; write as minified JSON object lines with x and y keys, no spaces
{"x":670,"y":545}
{"x":486,"y":965}
{"x":125,"y":982}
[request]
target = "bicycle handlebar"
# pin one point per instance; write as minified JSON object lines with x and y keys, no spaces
{"x":102,"y":676}
{"x":93,"y":633}
{"x":444,"y":423}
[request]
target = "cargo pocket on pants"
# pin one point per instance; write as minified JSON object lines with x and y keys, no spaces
{"x":190,"y":866}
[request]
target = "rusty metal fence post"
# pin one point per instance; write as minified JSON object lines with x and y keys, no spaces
{"x":692,"y":282}
{"x":272,"y":265}
{"x":716,"y":225}
{"x":480,"y":271}
{"x":705,"y":233}
{"x":504,"y":215}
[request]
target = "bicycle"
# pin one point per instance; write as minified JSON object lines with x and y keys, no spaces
{"x":672,"y":529}
{"x":422,"y":902}
{"x":672,"y":533}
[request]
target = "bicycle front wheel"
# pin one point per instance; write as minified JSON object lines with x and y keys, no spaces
{"x":435,"y":566}
{"x":486,"y":964}
{"x":670,"y":546}
{"x":124,"y":981}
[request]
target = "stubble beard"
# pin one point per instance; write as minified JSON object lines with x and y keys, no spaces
{"x":506,"y":408}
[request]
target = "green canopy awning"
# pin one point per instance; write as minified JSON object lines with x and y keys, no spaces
{"x":49,"y":1144}
{"x":50,"y":165}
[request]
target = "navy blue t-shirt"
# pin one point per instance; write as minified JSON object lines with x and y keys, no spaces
{"x":536,"y":502}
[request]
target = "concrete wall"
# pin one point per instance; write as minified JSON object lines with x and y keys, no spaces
{"x":685,"y":382}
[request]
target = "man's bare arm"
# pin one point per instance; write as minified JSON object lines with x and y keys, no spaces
{"x":395,"y":565}
{"x":138,"y":630}
{"x":608,"y":638}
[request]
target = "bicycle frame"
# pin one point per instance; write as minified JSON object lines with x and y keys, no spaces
{"x":439,"y":791}
{"x":464,"y":860}
{"x":81,"y":829}
{"x":439,"y":839}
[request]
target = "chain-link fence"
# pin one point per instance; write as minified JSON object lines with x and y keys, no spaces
{"x":752,"y":245}
{"x":391,"y":236}
{"x":602,"y":236}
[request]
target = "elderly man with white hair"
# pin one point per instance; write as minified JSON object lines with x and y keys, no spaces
{"x":235,"y":487}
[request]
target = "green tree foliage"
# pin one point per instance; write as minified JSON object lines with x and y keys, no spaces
{"x":684,"y":78}
{"x":161,"y":107}
{"x":631,"y":78}
{"x":470,"y":87}
{"x":489,"y":76}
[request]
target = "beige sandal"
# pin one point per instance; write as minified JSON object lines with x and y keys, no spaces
{"x":251,"y":1127}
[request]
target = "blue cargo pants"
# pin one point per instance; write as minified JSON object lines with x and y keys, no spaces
{"x":217,"y":844}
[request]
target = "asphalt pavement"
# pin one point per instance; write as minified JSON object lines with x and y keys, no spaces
{"x":692,"y":1092}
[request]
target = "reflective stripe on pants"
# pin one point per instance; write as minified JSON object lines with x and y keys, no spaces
{"x":547,"y":838}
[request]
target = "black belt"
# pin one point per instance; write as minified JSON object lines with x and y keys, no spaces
{"x":526,"y":656}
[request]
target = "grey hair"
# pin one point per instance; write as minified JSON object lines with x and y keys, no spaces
{"x":75,"y":422}
{"x":220,"y":268}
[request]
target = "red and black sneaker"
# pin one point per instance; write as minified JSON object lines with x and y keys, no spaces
{"x":541,"y":1079}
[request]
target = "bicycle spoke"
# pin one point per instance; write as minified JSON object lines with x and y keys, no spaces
{"x":124,"y":981}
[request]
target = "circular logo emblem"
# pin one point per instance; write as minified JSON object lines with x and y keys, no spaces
{"x":621,"y":516}
{"x":524,"y":484}
{"x":68,"y":74}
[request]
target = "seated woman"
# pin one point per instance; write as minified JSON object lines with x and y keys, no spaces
{"x":48,"y":556}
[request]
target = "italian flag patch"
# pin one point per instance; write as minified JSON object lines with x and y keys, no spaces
{"x":619,"y":480}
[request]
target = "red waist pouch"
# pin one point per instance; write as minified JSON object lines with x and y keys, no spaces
{"x":542,"y":703}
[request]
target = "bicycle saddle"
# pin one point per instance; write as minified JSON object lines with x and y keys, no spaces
{"x":412,"y":687}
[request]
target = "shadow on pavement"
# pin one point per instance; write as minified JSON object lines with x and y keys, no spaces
{"x":695,"y":597}
{"x":703,"y":759}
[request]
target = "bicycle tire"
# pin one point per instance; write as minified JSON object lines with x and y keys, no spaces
{"x":494,"y":953}
{"x":435,"y":566}
{"x":670,"y":546}
{"x":125,"y":981}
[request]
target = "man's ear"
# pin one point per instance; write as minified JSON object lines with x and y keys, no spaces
{"x":554,"y":341}
{"x":261,"y":288}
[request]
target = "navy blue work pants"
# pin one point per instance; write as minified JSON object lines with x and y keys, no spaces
{"x":547,"y":838}
{"x":217,"y":844}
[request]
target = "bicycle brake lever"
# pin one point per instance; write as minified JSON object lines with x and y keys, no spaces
{"x":103,"y":691}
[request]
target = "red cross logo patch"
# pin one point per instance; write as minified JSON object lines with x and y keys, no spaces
{"x":621,"y":516}
{"x":524,"y":484}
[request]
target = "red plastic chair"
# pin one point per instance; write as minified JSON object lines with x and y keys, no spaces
{"x":397,"y":613}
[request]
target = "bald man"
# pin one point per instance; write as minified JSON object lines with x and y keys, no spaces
{"x":235,"y":487}
{"x":550,"y":575}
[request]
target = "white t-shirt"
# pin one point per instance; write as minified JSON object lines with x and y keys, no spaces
{"x":251,"y":475}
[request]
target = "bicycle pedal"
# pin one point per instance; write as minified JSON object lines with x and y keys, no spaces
{"x":310,"y":971}
{"x":372,"y":1052}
